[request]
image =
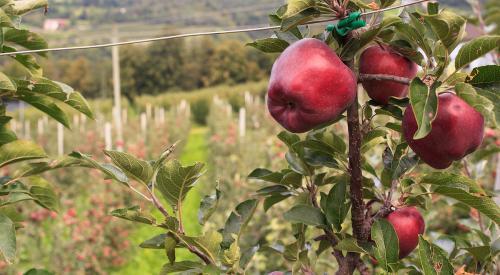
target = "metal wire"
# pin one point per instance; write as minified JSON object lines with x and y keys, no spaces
{"x":255,"y":29}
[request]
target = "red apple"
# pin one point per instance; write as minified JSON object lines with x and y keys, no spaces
{"x":309,"y":86}
{"x":380,"y":59}
{"x":408,"y":224}
{"x":457,"y":131}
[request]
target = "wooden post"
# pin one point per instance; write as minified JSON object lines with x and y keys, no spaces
{"x":144,"y":123}
{"x":40,"y":128}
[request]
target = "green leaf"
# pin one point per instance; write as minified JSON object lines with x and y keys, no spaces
{"x":208,"y":206}
{"x":297,"y":164}
{"x":25,"y":6}
{"x":6,"y":83}
{"x":5,"y":20}
{"x":478,"y":102}
{"x":352,"y":47}
{"x":26,"y":39}
{"x":476,"y":48}
{"x":269,"y":45}
{"x":424,"y":101}
{"x":157,"y":242}
{"x":174,"y":181}
{"x":6,"y":135}
{"x":237,"y":221}
{"x":464,"y":190}
{"x":184,"y":266}
{"x":481,"y":253}
{"x":350,"y":245}
{"x":45,"y":197}
{"x":45,"y":105}
{"x":134,"y":214}
{"x":485,"y":75}
{"x":306,"y":214}
{"x":110,"y":170}
{"x":431,"y":257}
{"x":137,"y":169}
{"x":448,"y":26}
{"x":266,"y":175}
{"x":170,"y":244}
{"x":337,"y":205}
{"x":20,"y":150}
{"x":387,"y":244}
{"x":274,"y":199}
{"x":209,"y":244}
{"x":36,"y":168}
{"x":7,"y":239}
{"x":412,"y":34}
{"x":298,"y":12}
{"x":29,"y":62}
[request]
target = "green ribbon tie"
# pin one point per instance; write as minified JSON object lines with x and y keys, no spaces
{"x":352,"y":22}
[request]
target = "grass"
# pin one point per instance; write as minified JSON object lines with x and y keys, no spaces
{"x":149,"y":261}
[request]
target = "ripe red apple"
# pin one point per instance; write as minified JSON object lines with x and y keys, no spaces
{"x":457,"y":131}
{"x":309,"y":86}
{"x":381,"y":59}
{"x":408,"y":224}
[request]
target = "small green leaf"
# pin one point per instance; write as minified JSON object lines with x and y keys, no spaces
{"x":424,"y":101}
{"x":134,"y":214}
{"x":274,"y":199}
{"x":480,"y":103}
{"x":337,"y":205}
{"x":269,"y":45}
{"x":433,"y":259}
{"x":481,"y":253}
{"x":266,"y":175}
{"x":170,"y":244}
{"x":28,"y":61}
{"x":306,"y":214}
{"x":209,"y":244}
{"x":137,"y":169}
{"x":35,"y":271}
{"x":7,"y":239}
{"x":476,"y":48}
{"x":110,"y":170}
{"x":157,"y":242}
{"x":20,"y":150}
{"x":464,"y":190}
{"x":45,"y":105}
{"x":387,"y":244}
{"x":237,"y":221}
{"x":26,"y":39}
{"x":208,"y":206}
{"x":45,"y":196}
{"x":448,"y":26}
{"x":184,"y":266}
{"x":350,"y":245}
{"x":174,"y":181}
{"x":298,"y":12}
{"x":6,"y":83}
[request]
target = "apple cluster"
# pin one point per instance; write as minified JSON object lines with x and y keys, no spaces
{"x":311,"y":87}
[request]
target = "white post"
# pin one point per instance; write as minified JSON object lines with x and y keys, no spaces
{"x":148,"y":110}
{"x":60,"y":139}
{"x":27,"y":129}
{"x":13,"y":125}
{"x":248,"y":99}
{"x":108,"y":142}
{"x":117,"y":92}
{"x":162,"y":116}
{"x":144,"y":123}
{"x":242,"y":122}
{"x":76,"y":121}
{"x":40,"y":127}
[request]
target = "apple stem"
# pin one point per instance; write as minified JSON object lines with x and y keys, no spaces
{"x":398,"y":79}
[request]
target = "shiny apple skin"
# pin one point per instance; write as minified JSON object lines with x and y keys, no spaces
{"x":309,"y":86}
{"x":457,"y":131}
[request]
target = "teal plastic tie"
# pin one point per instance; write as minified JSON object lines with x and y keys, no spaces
{"x":352,"y":22}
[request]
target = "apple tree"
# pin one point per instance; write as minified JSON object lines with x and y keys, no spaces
{"x":415,"y":145}
{"x":23,"y":160}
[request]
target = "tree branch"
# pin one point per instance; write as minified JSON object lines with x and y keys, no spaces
{"x":398,"y":79}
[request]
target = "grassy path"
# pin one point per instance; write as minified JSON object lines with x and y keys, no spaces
{"x":147,"y":261}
